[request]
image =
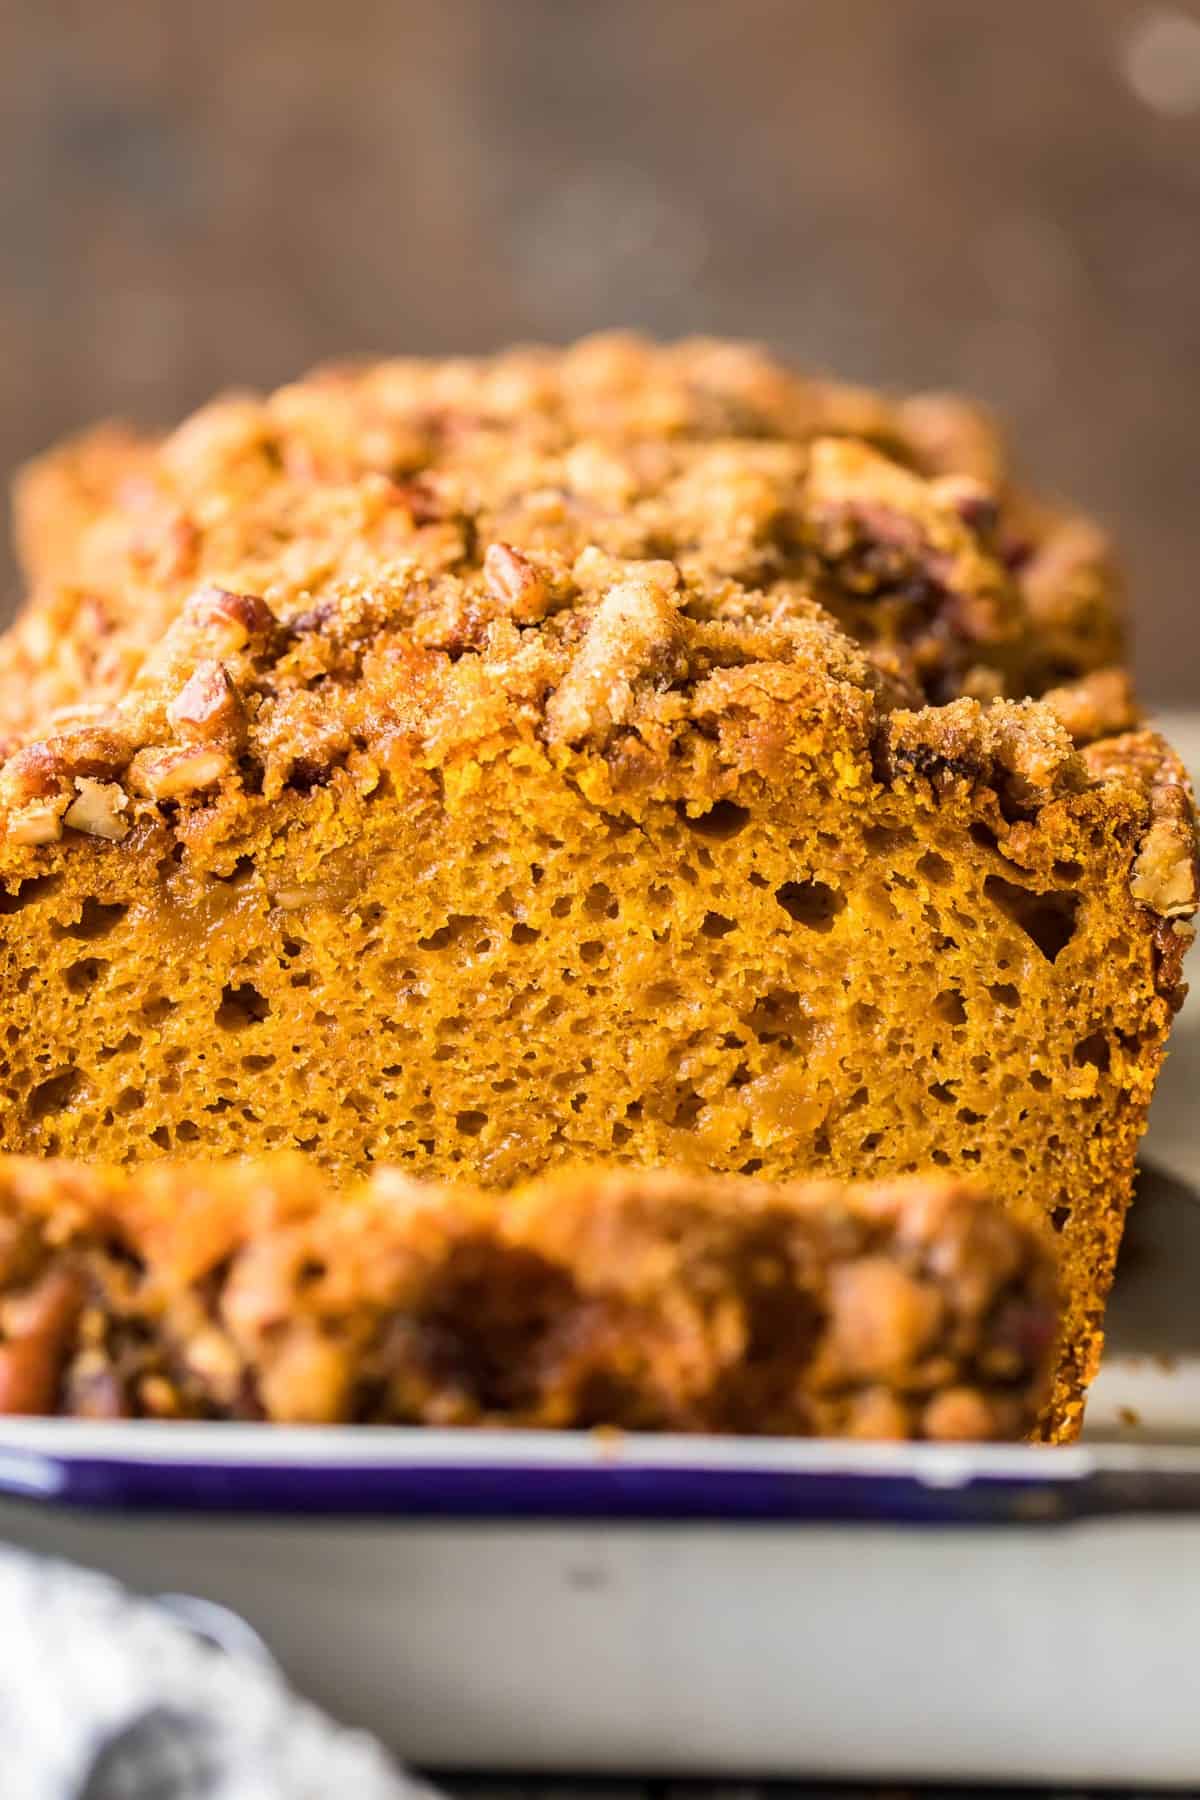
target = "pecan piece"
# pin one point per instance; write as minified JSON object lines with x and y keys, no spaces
{"x":1164,"y":875}
{"x":100,"y":750}
{"x":35,"y":791}
{"x":38,"y":1325}
{"x":514,"y":583}
{"x":1165,"y":872}
{"x":180,"y":769}
{"x":208,"y":707}
{"x":636,"y":639}
{"x":230,"y":622}
{"x":97,"y":808}
{"x":38,"y":823}
{"x":35,"y":773}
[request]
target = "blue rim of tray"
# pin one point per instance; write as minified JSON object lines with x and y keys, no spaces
{"x":396,"y":1473}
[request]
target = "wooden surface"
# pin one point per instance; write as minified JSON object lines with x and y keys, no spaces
{"x":1003,"y":198}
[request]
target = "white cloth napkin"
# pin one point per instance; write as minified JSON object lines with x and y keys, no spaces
{"x":108,"y":1697}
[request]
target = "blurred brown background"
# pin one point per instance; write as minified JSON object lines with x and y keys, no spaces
{"x":906,"y":191}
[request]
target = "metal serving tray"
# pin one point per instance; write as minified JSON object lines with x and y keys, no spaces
{"x":711,"y":1606}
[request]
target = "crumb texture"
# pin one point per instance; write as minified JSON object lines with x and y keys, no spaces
{"x":644,"y":1301}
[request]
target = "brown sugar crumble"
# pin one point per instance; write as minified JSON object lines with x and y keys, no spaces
{"x":640,"y":1300}
{"x":899,"y":517}
{"x":627,"y":753}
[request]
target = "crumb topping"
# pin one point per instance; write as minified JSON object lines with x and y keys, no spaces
{"x":900,"y":519}
{"x":668,"y":558}
{"x":638,"y":1300}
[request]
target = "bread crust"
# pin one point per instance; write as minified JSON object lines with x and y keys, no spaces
{"x":900,"y":517}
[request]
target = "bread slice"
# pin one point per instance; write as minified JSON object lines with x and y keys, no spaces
{"x":480,"y":874}
{"x":645,"y":1300}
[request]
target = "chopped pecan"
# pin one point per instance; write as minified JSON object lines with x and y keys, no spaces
{"x":230,"y":622}
{"x":37,"y":1326}
{"x":1165,"y":872}
{"x":97,"y":808}
{"x":101,"y":750}
{"x":177,"y":770}
{"x":885,"y":534}
{"x":35,"y":773}
{"x":636,"y":636}
{"x":514,"y":582}
{"x":35,"y":791}
{"x":208,"y":708}
{"x":38,"y":823}
{"x":1164,"y":875}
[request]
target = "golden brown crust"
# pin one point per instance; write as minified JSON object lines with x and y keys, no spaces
{"x":649,"y":1301}
{"x":1165,"y":875}
{"x":400,"y":478}
{"x":236,"y":706}
{"x":630,"y":665}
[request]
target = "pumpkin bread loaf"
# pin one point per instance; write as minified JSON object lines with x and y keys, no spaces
{"x":521,"y":797}
{"x":637,"y":1299}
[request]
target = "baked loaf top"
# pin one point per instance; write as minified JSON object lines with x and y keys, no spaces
{"x":630,"y":690}
{"x":663,"y":569}
{"x":459,"y":495}
{"x":647,"y":1300}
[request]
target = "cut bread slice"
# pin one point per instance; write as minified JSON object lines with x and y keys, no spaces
{"x":489,"y":873}
{"x":645,"y":1300}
